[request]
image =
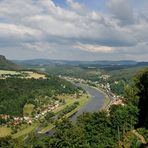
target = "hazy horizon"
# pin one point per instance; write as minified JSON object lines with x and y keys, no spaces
{"x":91,"y":60}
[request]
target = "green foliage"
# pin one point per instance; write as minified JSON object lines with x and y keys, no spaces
{"x":122,"y":77}
{"x":97,"y":129}
{"x":93,"y":130}
{"x":68,"y":135}
{"x":49,"y":115}
{"x":68,"y":109}
{"x":6,"y":142}
{"x":123,"y":119}
{"x":138,"y":95}
{"x":141,"y":82}
{"x":15,"y":93}
{"x":73,"y":71}
{"x":118,"y":88}
{"x":28,"y":109}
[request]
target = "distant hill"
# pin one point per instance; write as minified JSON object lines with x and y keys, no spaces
{"x":142,"y":64}
{"x":109,"y":65}
{"x":7,"y":64}
{"x":74,"y":63}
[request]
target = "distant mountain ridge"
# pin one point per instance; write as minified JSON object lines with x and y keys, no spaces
{"x":7,"y":64}
{"x":37,"y":62}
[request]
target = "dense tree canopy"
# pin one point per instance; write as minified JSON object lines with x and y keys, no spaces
{"x":15,"y":93}
{"x":141,"y":84}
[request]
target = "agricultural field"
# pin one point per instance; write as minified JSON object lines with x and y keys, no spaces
{"x":4,"y":131}
{"x":9,"y":72}
{"x":34,"y":75}
{"x":21,"y":74}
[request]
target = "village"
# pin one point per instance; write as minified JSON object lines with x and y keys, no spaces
{"x":114,"y":99}
{"x":13,"y":121}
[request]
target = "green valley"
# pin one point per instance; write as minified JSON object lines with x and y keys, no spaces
{"x":73,"y":106}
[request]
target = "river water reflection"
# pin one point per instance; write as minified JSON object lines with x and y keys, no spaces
{"x":94,"y":104}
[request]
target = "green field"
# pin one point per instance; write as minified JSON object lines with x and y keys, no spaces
{"x":4,"y":131}
{"x":28,"y":109}
{"x":25,"y":131}
{"x":82,"y":101}
{"x":69,"y":100}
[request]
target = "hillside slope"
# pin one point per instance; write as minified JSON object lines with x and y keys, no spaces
{"x":7,"y":65}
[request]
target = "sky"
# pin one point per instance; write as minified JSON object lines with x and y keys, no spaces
{"x":74,"y":29}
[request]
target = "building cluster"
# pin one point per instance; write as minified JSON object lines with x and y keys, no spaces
{"x":14,"y":121}
{"x":49,"y":108}
{"x":118,"y":101}
{"x":104,"y":77}
{"x":5,"y":117}
{"x":115,"y":100}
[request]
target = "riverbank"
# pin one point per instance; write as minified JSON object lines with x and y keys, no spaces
{"x":82,"y":101}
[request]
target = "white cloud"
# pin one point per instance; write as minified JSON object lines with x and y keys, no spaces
{"x":94,"y":48}
{"x":11,"y":29}
{"x":74,"y":5}
{"x":42,"y":26}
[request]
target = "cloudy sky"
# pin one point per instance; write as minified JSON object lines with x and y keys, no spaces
{"x":74,"y":29}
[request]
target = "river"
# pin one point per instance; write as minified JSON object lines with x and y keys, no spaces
{"x":94,"y":104}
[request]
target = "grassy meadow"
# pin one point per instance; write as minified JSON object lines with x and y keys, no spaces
{"x":5,"y":131}
{"x":28,"y":109}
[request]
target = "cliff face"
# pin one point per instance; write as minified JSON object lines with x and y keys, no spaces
{"x":2,"y":57}
{"x":7,"y":65}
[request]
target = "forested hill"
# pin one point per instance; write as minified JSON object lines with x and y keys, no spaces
{"x":15,"y":93}
{"x":7,"y":65}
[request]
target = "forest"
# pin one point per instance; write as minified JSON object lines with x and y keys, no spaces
{"x":15,"y":92}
